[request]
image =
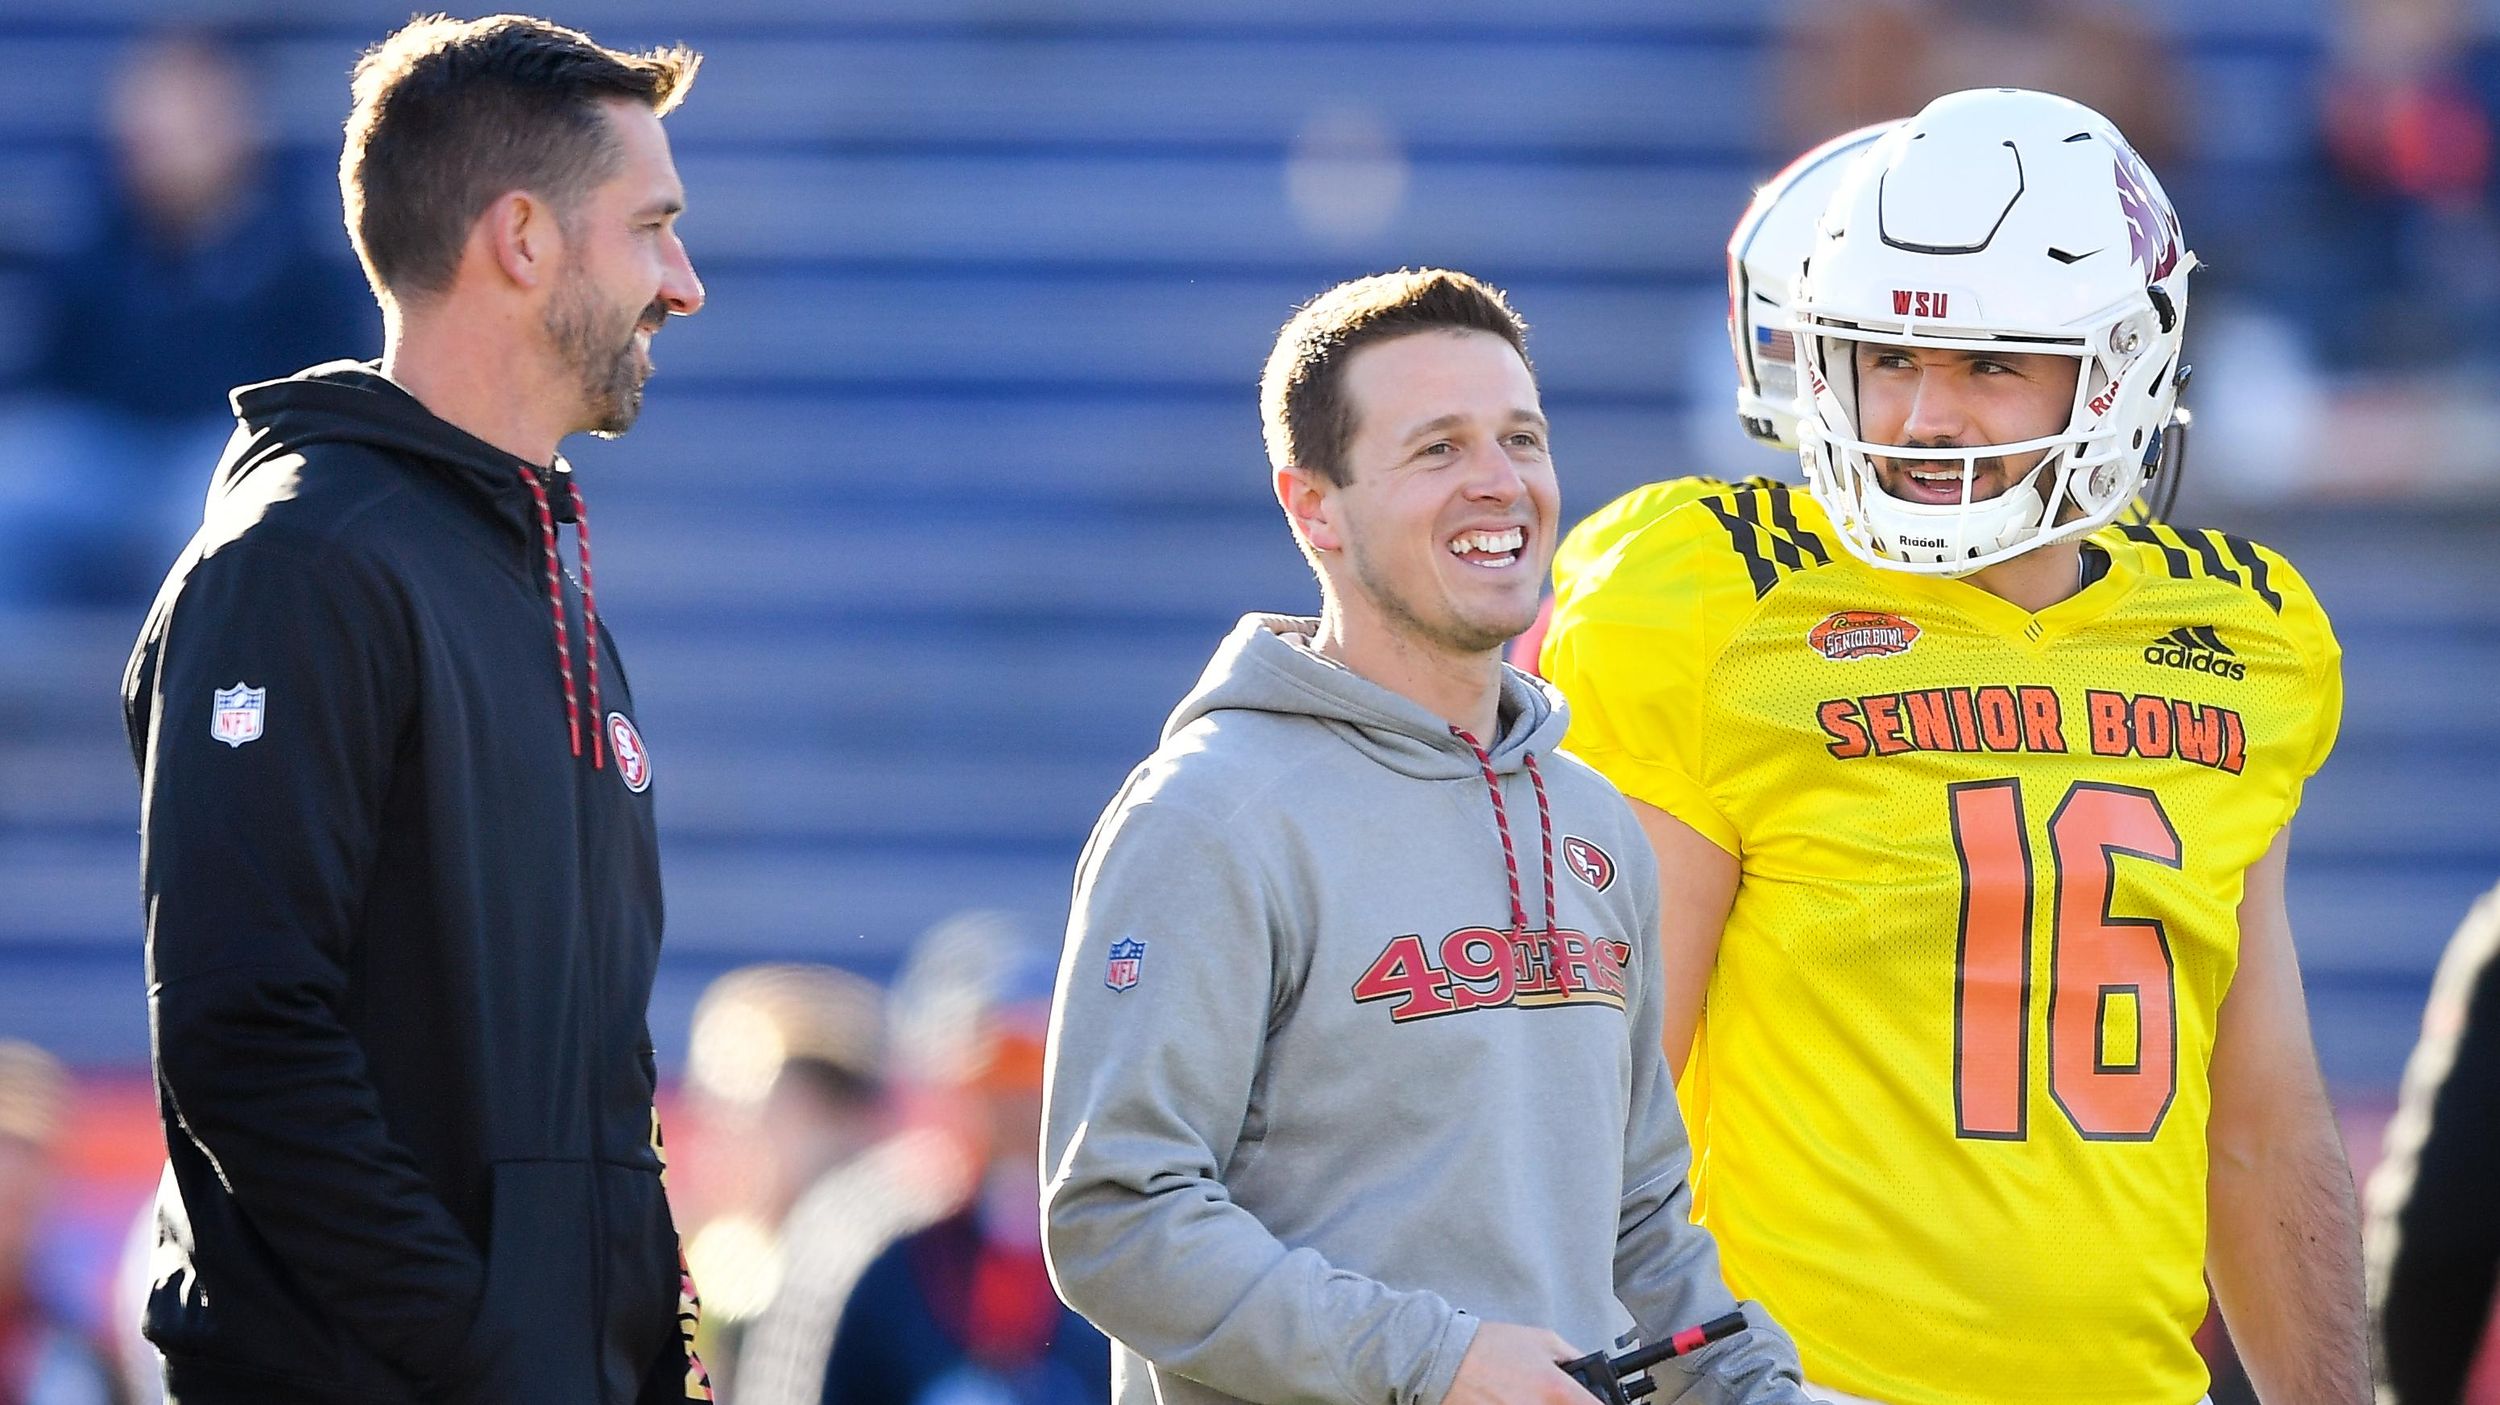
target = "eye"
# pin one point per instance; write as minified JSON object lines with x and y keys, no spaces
{"x":1527,"y":439}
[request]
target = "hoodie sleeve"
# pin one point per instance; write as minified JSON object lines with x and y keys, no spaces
{"x":1666,"y":1267}
{"x":1149,"y":1080}
{"x":254,"y":859}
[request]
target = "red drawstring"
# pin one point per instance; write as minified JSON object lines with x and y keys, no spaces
{"x":1510,"y":855}
{"x":590,"y":624}
{"x":1545,"y":835}
{"x":555,"y":606}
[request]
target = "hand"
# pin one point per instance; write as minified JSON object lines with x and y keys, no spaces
{"x":1508,"y":1364}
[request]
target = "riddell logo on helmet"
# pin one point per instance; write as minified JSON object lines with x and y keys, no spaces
{"x":1909,"y":303}
{"x":1862,"y":634}
{"x":2197,"y":649}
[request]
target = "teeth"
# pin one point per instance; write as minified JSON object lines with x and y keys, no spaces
{"x":1489,"y":543}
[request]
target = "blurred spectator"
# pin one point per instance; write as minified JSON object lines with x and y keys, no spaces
{"x":206,"y":271}
{"x":963,"y":1312}
{"x":1850,"y":62}
{"x":790,"y":1064}
{"x":2434,"y":1232}
{"x":43,"y":1361}
{"x":2408,"y":152}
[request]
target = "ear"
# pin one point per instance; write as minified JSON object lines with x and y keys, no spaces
{"x":1310,"y":503}
{"x":522,"y":239}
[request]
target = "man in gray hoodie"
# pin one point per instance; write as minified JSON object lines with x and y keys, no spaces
{"x":1355,"y":1092}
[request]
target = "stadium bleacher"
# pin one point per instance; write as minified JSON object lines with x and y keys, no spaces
{"x":939,"y":505}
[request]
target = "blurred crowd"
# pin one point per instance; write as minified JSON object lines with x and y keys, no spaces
{"x":855,"y":1171}
{"x":2352,"y":288}
{"x":855,"y":1167}
{"x":205,"y":264}
{"x":865,"y":1212}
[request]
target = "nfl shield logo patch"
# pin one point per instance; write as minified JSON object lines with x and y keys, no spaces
{"x":235,"y":714}
{"x":1127,"y":958}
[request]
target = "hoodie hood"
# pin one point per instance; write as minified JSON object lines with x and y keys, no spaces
{"x":1264,"y":665}
{"x":352,"y":402}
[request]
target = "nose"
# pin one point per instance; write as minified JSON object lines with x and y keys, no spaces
{"x":680,"y":290}
{"x":1493,"y":475}
{"x":1937,"y":412}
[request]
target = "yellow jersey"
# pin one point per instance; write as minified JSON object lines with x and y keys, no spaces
{"x":1948,"y":1098}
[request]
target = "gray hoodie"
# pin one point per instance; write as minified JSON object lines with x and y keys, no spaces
{"x":1307,"y":1121}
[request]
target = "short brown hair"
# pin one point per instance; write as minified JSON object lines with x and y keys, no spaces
{"x":1302,"y":401}
{"x":452,"y":113}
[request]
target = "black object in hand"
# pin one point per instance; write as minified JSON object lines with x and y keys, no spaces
{"x":1603,"y":1375}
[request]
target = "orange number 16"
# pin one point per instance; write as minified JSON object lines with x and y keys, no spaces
{"x":2112,"y":1002}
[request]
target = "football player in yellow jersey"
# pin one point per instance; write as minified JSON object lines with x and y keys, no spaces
{"x":1971,"y":804}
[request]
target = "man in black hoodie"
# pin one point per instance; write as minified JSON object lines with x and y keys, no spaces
{"x":402,"y":887}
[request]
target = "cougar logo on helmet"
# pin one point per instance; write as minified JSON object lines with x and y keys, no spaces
{"x":2153,"y":230}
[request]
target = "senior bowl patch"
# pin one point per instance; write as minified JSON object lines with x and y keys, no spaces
{"x":1128,"y":961}
{"x":1862,"y":634}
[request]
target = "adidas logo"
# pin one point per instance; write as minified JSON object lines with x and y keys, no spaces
{"x":2197,"y":649}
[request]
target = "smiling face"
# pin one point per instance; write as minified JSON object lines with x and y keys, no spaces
{"x":625,"y":273}
{"x":1442,"y":534}
{"x":1930,"y":398}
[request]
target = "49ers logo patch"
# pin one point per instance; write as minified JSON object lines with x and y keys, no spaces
{"x":1862,"y":634}
{"x":1588,"y":863}
{"x":1479,"y":968}
{"x":633,"y":762}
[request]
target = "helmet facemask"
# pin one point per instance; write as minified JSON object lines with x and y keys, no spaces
{"x":2086,"y":475}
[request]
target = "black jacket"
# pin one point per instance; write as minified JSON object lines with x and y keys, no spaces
{"x":2434,"y":1233}
{"x":400,"y":935}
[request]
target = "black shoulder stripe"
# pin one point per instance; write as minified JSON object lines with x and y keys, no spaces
{"x":2172,"y":557}
{"x":1784,"y":516}
{"x":1743,"y":534}
{"x":1783,"y":550}
{"x":1771,"y":549}
{"x":2204,"y":542}
{"x":2245,"y":552}
{"x":2209,"y":561}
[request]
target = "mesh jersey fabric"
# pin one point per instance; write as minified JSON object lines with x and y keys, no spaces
{"x":1948,"y":1098}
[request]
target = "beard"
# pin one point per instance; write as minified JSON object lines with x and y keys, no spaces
{"x":1454,"y":632}
{"x":597,"y":346}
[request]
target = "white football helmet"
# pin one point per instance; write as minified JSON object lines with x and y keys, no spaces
{"x":1763,"y":257}
{"x":1995,"y":220}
